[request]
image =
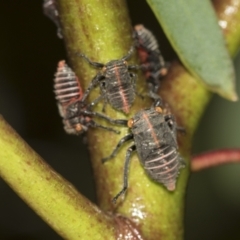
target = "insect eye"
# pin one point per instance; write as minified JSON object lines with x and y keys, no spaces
{"x":158,"y":109}
{"x":104,"y":69}
{"x":78,"y":127}
{"x":130,"y":123}
{"x":163,"y":71}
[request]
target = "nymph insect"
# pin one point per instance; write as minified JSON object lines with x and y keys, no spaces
{"x":117,"y":84}
{"x":152,"y":62}
{"x":77,"y":116}
{"x":50,"y":10}
{"x":154,"y":136}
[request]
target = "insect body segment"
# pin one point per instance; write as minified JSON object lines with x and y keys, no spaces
{"x":154,"y":136}
{"x":66,"y":84}
{"x":152,"y":62}
{"x":116,"y":83}
{"x":120,"y":92}
{"x":76,"y":114}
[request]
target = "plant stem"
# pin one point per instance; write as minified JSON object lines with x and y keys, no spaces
{"x":54,"y":199}
{"x":229,"y":17}
{"x":214,"y":158}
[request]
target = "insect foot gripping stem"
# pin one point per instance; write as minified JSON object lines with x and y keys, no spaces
{"x":77,"y":117}
{"x":153,"y":64}
{"x":116,"y":82}
{"x":154,"y":138}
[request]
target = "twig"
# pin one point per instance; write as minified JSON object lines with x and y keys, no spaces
{"x":215,"y":158}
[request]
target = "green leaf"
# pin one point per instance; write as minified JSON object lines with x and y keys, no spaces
{"x":191,"y":27}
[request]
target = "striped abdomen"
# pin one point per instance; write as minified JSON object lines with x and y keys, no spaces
{"x":152,"y":61}
{"x":164,"y":165}
{"x":146,"y":39}
{"x":121,"y":97}
{"x":66,"y":85}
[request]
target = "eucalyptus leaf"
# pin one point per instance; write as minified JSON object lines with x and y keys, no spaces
{"x":192,"y":28}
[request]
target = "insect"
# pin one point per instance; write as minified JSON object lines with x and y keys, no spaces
{"x":50,"y":10}
{"x":77,"y":116}
{"x":154,"y":136}
{"x":152,"y":62}
{"x":116,"y":83}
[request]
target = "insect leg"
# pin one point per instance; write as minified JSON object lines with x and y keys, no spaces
{"x":134,"y":67}
{"x":120,"y":143}
{"x":95,"y":64}
{"x":130,"y":52}
{"x":114,"y":121}
{"x":94,"y":124}
{"x":98,"y":99}
{"x":50,"y":10}
{"x":139,"y":95}
{"x":157,"y":98}
{"x":104,"y":105}
{"x":92,"y":84}
{"x":125,"y":174}
{"x":182,"y":130}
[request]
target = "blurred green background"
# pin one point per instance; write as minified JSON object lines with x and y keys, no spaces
{"x":30,"y":50}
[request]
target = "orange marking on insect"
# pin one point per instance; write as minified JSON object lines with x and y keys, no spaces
{"x":61,"y":64}
{"x":163,"y":71}
{"x":130,"y":123}
{"x":152,"y":130}
{"x":171,"y":186}
{"x":159,"y":109}
{"x":78,"y":127}
{"x":125,"y":104}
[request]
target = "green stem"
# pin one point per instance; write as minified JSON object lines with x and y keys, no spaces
{"x":54,"y":199}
